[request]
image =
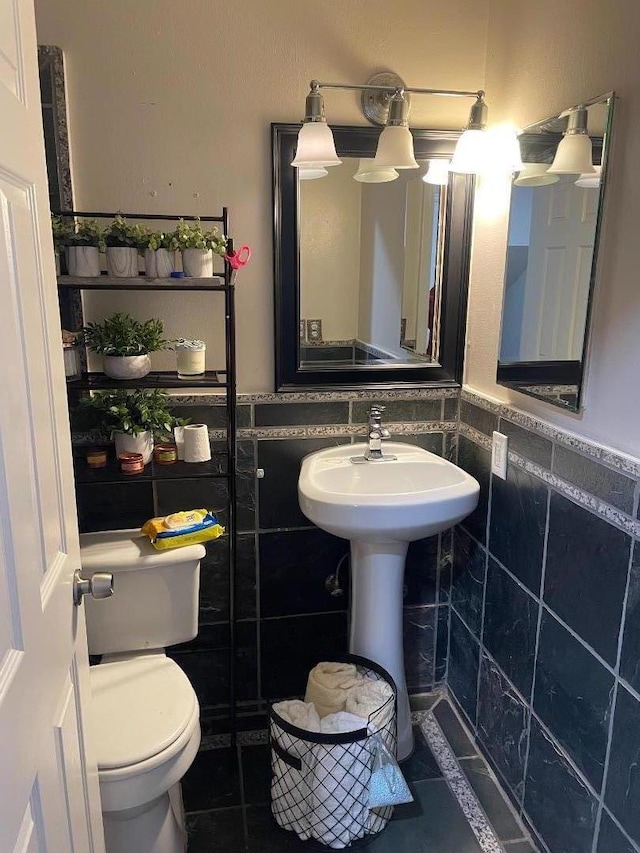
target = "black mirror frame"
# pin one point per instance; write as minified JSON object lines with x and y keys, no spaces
{"x":361,"y":142}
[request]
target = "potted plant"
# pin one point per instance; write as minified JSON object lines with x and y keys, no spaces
{"x":198,"y":247}
{"x":125,"y":344}
{"x":132,"y":418}
{"x":123,"y":243}
{"x":159,"y":255}
{"x":62,"y":230}
{"x":84,"y":244}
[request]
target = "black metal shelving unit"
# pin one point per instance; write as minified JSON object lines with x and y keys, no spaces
{"x":221,"y":466}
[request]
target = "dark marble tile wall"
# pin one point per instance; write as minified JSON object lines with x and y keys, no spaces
{"x":545,"y":628}
{"x":288,"y":618}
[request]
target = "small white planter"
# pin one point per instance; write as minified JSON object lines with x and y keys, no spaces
{"x":122,"y":261}
{"x":158,"y":263}
{"x":197,"y":263}
{"x":83,"y":261}
{"x":126,"y":366}
{"x":141,"y":443}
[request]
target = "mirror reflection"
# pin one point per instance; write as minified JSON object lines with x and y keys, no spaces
{"x":370,"y":266}
{"x":554,"y":223}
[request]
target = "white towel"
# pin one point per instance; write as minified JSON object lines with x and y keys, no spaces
{"x":300,"y":714}
{"x":339,"y":785}
{"x":370,"y":700}
{"x":341,"y":722}
{"x":327,"y":686}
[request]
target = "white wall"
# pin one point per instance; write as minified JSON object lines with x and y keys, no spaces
{"x":177,"y":98}
{"x":542,"y":58}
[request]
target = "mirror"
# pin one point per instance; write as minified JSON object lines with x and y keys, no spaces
{"x":555,"y":223}
{"x":370,"y":277}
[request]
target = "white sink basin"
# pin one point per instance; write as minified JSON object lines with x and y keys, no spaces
{"x":416,"y":495}
{"x":381,"y":507}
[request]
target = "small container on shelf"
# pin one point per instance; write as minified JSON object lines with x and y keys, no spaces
{"x":165,"y":454}
{"x":96,"y":457}
{"x":71,"y":353}
{"x":190,"y":357}
{"x":131,"y":463}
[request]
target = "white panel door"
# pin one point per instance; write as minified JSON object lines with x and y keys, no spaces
{"x":558,"y":272}
{"x":49,"y":797}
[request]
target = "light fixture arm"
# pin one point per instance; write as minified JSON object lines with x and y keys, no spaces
{"x":447,"y":93}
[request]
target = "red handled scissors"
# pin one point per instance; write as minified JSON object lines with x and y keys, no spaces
{"x":239,"y":257}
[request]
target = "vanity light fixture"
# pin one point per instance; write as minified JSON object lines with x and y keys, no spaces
{"x":316,"y":148}
{"x":307,"y":173}
{"x":590,"y":180}
{"x":437,"y":173}
{"x":369,"y":172}
{"x":471,"y":149}
{"x":384,"y":103}
{"x":535,"y":175}
{"x":574,"y":156}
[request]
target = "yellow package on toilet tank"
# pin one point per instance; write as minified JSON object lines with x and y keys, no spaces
{"x":182,"y":528}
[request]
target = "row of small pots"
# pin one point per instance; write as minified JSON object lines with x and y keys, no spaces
{"x":122,"y":262}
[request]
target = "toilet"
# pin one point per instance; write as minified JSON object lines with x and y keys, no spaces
{"x":144,"y":716}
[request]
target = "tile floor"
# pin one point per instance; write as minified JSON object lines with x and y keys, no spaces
{"x":226,"y":795}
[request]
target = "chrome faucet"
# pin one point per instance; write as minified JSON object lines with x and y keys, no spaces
{"x":377,"y":433}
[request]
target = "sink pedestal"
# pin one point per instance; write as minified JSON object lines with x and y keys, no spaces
{"x":376,"y":624}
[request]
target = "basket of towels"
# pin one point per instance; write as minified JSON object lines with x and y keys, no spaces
{"x":334,"y":774}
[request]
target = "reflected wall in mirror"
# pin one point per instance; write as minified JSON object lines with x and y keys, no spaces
{"x":555,"y":224}
{"x":370,"y":276}
{"x":370,"y":264}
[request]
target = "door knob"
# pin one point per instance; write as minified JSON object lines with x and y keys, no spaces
{"x":99,"y":585}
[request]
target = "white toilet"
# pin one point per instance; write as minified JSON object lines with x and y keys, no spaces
{"x":144,"y":720}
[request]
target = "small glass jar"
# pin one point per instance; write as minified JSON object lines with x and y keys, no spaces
{"x":190,"y":357}
{"x":165,"y":454}
{"x":131,"y":463}
{"x":71,"y":361}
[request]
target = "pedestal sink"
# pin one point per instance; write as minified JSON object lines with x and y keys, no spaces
{"x":381,"y":506}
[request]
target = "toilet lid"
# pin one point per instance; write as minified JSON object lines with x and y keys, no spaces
{"x":139,"y":708}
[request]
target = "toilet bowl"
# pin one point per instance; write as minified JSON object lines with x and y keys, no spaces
{"x":144,"y":715}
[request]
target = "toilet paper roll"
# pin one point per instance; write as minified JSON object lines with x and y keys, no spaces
{"x":196,"y":443}
{"x":178,"y":435}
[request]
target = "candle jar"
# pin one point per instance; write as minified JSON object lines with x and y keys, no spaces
{"x":190,"y":357}
{"x":131,"y":463}
{"x":96,"y":457}
{"x":165,"y":454}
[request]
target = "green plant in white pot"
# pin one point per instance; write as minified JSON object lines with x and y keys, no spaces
{"x":198,"y":247}
{"x":125,"y":344}
{"x":123,"y":242}
{"x":62,"y":230}
{"x":133,"y":418}
{"x":159,"y":255}
{"x":84,"y":244}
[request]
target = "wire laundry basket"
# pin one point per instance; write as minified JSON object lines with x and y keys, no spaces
{"x":320,"y":782}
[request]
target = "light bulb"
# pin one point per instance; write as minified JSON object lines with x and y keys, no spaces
{"x":437,"y":173}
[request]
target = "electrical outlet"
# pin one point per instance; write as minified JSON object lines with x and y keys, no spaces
{"x":499,"y":455}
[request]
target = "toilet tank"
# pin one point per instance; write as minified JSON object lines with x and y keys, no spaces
{"x":155,"y":593}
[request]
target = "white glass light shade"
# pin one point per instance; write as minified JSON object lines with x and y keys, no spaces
{"x":395,"y":148}
{"x":535,"y":175}
{"x":369,"y":173}
{"x":316,"y":148}
{"x":437,"y":173}
{"x":470,"y":156}
{"x":573,"y":156}
{"x":590,"y":180}
{"x":306,"y":173}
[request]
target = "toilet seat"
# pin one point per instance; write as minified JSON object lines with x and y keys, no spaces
{"x":145,"y":722}
{"x":140,"y":707}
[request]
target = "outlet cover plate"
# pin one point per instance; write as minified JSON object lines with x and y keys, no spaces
{"x":499,"y":455}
